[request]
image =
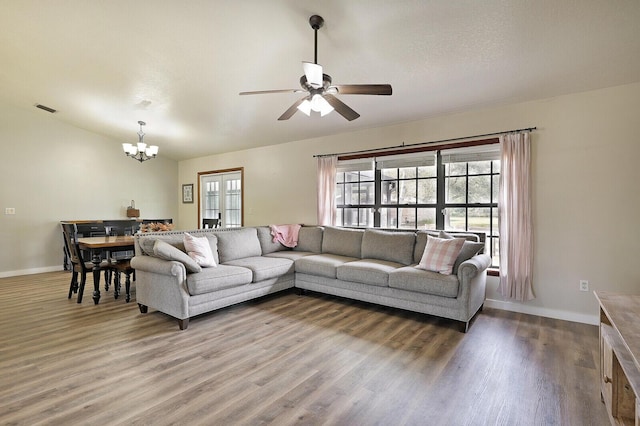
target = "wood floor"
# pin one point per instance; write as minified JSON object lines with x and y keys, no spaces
{"x":285,"y":359}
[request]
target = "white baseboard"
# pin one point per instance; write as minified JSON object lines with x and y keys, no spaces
{"x":542,"y":312}
{"x":6,"y":274}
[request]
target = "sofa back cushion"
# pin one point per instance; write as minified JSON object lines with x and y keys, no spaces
{"x":392,"y":246}
{"x":238,"y":244}
{"x":342,"y":241}
{"x":309,"y":239}
{"x":266,"y":241}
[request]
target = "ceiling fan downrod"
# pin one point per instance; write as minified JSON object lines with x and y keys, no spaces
{"x":316,"y":22}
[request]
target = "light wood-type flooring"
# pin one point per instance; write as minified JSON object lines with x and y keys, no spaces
{"x":285,"y":359}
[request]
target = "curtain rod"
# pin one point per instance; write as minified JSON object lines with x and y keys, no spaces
{"x":528,"y":129}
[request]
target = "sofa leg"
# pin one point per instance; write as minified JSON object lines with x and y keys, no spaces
{"x":464,"y":326}
{"x":300,"y":291}
{"x":143,"y":308}
{"x":183,"y":323}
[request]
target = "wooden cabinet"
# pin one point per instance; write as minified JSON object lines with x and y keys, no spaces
{"x":619,"y":352}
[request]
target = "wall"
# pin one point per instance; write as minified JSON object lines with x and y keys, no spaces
{"x":51,"y":171}
{"x":586,"y":199}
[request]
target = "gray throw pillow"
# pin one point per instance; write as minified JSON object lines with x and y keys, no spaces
{"x":166,"y":251}
{"x":469,"y":249}
{"x":146,"y":245}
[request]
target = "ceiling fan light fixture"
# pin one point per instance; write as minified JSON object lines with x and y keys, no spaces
{"x":320,"y":104}
{"x":305,"y":107}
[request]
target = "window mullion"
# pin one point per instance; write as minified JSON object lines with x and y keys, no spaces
{"x":377,"y":196}
{"x":440,"y":192}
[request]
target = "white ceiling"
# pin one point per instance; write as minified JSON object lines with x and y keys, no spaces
{"x":179,"y":65}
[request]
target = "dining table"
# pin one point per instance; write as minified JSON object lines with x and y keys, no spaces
{"x":98,"y":246}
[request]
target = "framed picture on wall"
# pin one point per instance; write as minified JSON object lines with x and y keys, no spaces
{"x":187,"y":193}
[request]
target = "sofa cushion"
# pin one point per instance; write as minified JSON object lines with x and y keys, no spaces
{"x":168,"y":252}
{"x":342,"y":241}
{"x":214,"y":279}
{"x":309,"y":239}
{"x":323,"y":265}
{"x":392,"y":246}
{"x":367,"y":271}
{"x":440,"y":254}
{"x":263,"y":267}
{"x":428,"y":282}
{"x":199,"y":249}
{"x":237,"y":244}
{"x":266,"y":241}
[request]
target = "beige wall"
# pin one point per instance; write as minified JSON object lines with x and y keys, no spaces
{"x":51,"y":171}
{"x":586,"y":199}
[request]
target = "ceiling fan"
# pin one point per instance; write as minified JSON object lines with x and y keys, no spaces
{"x":320,"y":93}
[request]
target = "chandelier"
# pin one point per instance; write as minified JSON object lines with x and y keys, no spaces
{"x":140,"y":151}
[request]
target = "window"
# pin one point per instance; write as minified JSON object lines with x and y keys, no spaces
{"x":453,"y":189}
{"x":221,"y":197}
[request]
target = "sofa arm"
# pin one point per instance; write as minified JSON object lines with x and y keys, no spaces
{"x":158,"y":266}
{"x":470,"y":268}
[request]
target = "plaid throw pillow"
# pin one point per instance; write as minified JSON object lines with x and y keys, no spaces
{"x":440,"y":254}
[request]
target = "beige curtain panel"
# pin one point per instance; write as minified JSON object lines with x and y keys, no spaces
{"x":516,"y":217}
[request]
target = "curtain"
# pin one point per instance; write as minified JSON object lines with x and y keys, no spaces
{"x":326,"y":183}
{"x":515,"y":210}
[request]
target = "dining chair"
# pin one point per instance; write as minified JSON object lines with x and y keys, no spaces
{"x":119,"y":267}
{"x":118,"y":263}
{"x":210,"y":223}
{"x":78,"y":265}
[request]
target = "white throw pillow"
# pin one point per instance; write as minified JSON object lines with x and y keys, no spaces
{"x":440,"y":254}
{"x":199,"y":250}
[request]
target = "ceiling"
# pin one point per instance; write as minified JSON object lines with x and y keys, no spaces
{"x":179,"y":65}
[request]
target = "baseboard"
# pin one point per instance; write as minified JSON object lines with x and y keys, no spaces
{"x":6,"y":274}
{"x":542,"y":312}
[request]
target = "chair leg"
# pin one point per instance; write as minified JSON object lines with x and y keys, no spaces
{"x":83,"y":281}
{"x":107,"y":279}
{"x":73,"y":285}
{"x":116,"y":284}
{"x":127,"y":284}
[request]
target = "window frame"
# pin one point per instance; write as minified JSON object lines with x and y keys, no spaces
{"x":492,"y":234}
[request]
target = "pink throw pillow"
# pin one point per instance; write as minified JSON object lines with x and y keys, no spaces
{"x":199,"y":250}
{"x":440,"y":254}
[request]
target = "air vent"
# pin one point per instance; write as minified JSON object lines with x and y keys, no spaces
{"x":46,"y":108}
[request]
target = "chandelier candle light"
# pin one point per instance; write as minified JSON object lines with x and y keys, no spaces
{"x":140,"y":151}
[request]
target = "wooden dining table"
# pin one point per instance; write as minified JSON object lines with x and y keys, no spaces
{"x":98,"y":246}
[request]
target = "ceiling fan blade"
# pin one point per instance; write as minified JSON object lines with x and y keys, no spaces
{"x":364,"y":89}
{"x":341,"y":107}
{"x":313,"y":72}
{"x":292,"y":109}
{"x":263,"y":92}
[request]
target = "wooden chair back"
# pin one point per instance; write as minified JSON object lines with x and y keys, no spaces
{"x":70,"y":232}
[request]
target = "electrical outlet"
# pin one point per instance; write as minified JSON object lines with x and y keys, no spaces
{"x":584,"y":285}
{"x":10,"y":210}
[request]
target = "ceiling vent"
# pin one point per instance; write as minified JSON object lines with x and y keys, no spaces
{"x":46,"y":108}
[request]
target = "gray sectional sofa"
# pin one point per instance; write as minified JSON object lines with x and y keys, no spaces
{"x":368,"y":265}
